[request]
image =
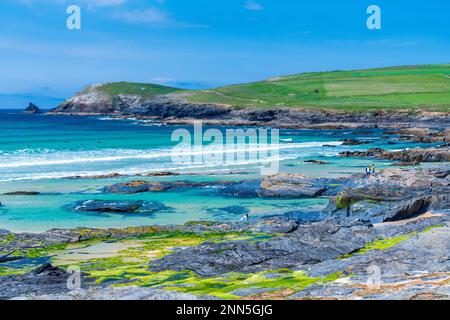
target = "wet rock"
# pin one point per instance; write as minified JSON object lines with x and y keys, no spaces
{"x":279,"y":186}
{"x":22,"y":193}
{"x":44,"y":280}
{"x":48,"y":269}
{"x":136,"y":187}
{"x":407,"y":155}
{"x":162,"y":174}
{"x":9,"y":257}
{"x":353,"y":142}
{"x":154,"y":186}
{"x":424,"y":135}
{"x":95,"y":177}
{"x":111,"y":206}
{"x":414,"y":268}
{"x":117,"y":294}
{"x":306,"y":244}
{"x":316,"y":161}
{"x":406,"y":164}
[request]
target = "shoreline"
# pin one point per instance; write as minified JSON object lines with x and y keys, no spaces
{"x":287,"y":118}
{"x":393,"y":215}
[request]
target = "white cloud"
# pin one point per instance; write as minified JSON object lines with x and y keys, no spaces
{"x":154,"y":16}
{"x":253,"y":5}
{"x":150,"y":16}
{"x":163,"y":80}
{"x":88,"y":3}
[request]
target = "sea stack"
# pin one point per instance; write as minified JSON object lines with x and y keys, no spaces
{"x":32,"y":109}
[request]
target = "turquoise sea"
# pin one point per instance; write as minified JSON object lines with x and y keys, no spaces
{"x":39,"y":152}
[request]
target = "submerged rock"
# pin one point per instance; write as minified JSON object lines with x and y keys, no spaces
{"x":111,"y":206}
{"x":140,"y":186}
{"x":230,"y":210}
{"x":9,"y":257}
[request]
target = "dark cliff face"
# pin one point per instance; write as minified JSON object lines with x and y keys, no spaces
{"x":174,"y":108}
{"x":32,"y":109}
{"x":71,"y":107}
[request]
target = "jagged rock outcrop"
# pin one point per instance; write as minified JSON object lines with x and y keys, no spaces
{"x":45,"y":279}
{"x":395,"y":194}
{"x":32,"y":109}
{"x":282,"y":186}
{"x":408,"y":155}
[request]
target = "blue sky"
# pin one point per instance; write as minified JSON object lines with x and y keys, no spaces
{"x":207,"y":43}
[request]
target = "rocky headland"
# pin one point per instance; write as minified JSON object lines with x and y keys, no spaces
{"x":175,"y":108}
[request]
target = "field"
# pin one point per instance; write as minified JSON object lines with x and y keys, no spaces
{"x":415,"y":87}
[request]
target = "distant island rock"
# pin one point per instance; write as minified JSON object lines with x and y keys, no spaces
{"x":32,"y":109}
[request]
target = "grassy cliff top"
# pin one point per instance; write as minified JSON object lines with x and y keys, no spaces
{"x":412,"y":88}
{"x":145,"y":90}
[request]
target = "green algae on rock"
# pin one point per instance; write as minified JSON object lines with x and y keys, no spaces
{"x":383,"y":244}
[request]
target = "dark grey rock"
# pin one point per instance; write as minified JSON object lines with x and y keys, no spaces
{"x":44,"y":280}
{"x":32,"y":109}
{"x":121,"y":206}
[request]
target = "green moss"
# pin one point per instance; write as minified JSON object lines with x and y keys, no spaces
{"x":10,"y":238}
{"x":202,"y":223}
{"x":383,"y":244}
{"x":344,"y":202}
{"x":42,"y":251}
{"x":225,"y":285}
{"x":433,"y":227}
{"x":5,"y":271}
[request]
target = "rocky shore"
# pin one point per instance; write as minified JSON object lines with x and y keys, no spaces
{"x":407,"y":156}
{"x":176,"y":110}
{"x":381,"y":237}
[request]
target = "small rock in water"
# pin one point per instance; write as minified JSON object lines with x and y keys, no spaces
{"x":22,"y":193}
{"x":32,"y":109}
{"x":316,"y":161}
{"x":353,"y":142}
{"x":127,"y":207}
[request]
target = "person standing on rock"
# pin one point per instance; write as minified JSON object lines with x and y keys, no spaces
{"x":373,"y":169}
{"x":367,"y":171}
{"x":244,"y":218}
